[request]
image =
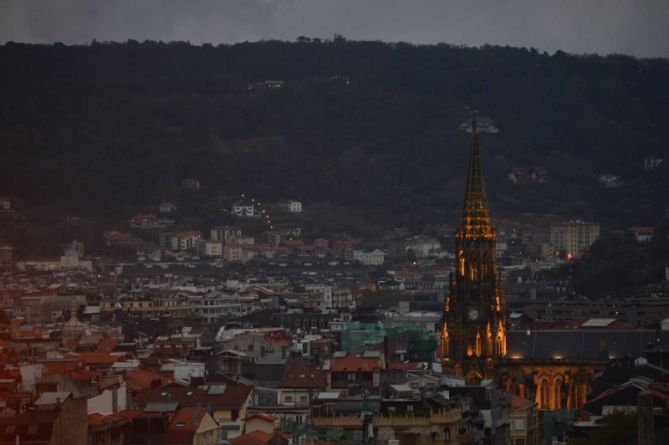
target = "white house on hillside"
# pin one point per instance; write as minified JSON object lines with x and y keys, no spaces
{"x":374,"y":258}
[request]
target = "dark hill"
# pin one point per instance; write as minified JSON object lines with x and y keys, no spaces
{"x":109,"y":128}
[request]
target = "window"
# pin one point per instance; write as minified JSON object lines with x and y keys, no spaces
{"x":558,"y":394}
{"x":32,"y":429}
{"x":519,"y":424}
{"x":544,"y":394}
{"x":289,"y":399}
{"x":9,"y":429}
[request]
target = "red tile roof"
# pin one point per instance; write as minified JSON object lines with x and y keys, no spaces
{"x":142,"y":379}
{"x":403,"y":366}
{"x":97,"y":419}
{"x":262,"y":416}
{"x":60,"y":366}
{"x":183,"y":419}
{"x":107,"y":345}
{"x":233,"y":397}
{"x":95,"y":358}
{"x":303,"y":375}
{"x":254,"y":438}
{"x":353,"y":362}
{"x":12,"y":374}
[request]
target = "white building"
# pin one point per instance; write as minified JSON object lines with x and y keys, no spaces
{"x":213,"y":248}
{"x":374,"y":258}
{"x":323,"y":293}
{"x":232,"y":253}
{"x":610,"y":181}
{"x":243,"y":240}
{"x":108,"y":401}
{"x":69,"y":261}
{"x":652,"y":162}
{"x":244,"y":209}
{"x":166,"y":207}
{"x":295,"y":206}
{"x":225,"y":233}
{"x":423,"y":246}
{"x":215,"y":305}
{"x":342,"y":298}
{"x":183,"y":371}
{"x":642,"y":234}
{"x":188,"y":240}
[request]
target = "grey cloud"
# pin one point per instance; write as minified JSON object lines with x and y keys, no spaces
{"x":637,"y":27}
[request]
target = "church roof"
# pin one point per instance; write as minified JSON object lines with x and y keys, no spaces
{"x":580,"y":344}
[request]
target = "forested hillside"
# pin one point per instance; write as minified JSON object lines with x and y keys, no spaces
{"x":110,"y":128}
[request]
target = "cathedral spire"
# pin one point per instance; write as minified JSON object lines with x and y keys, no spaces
{"x":475,"y":215}
{"x":474,"y":311}
{"x":476,"y":202}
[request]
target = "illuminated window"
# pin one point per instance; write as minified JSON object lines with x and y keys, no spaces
{"x":558,"y":393}
{"x":544,"y":394}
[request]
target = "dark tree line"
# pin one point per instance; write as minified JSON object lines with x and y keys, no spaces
{"x":106,"y":129}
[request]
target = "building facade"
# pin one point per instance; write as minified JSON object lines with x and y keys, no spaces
{"x":574,"y":237}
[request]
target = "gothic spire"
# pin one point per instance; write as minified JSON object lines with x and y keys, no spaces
{"x":475,"y":208}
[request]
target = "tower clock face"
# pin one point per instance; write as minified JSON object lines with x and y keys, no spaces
{"x":472,"y":314}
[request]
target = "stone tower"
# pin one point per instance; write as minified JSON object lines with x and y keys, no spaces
{"x":475,"y":317}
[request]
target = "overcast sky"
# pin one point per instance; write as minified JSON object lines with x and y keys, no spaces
{"x":636,"y":27}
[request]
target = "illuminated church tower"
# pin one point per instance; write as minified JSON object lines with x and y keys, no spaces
{"x":475,"y":317}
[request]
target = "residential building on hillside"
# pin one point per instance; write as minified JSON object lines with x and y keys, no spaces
{"x":225,"y":233}
{"x":292,"y":206}
{"x":642,"y":234}
{"x":213,"y":248}
{"x":166,"y":207}
{"x":652,"y":162}
{"x":375,"y":257}
{"x":423,"y":246}
{"x":574,"y":237}
{"x":610,"y":181}
{"x":244,"y":209}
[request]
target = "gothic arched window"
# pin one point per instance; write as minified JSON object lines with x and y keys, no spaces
{"x":544,"y":394}
{"x":557,"y":393}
